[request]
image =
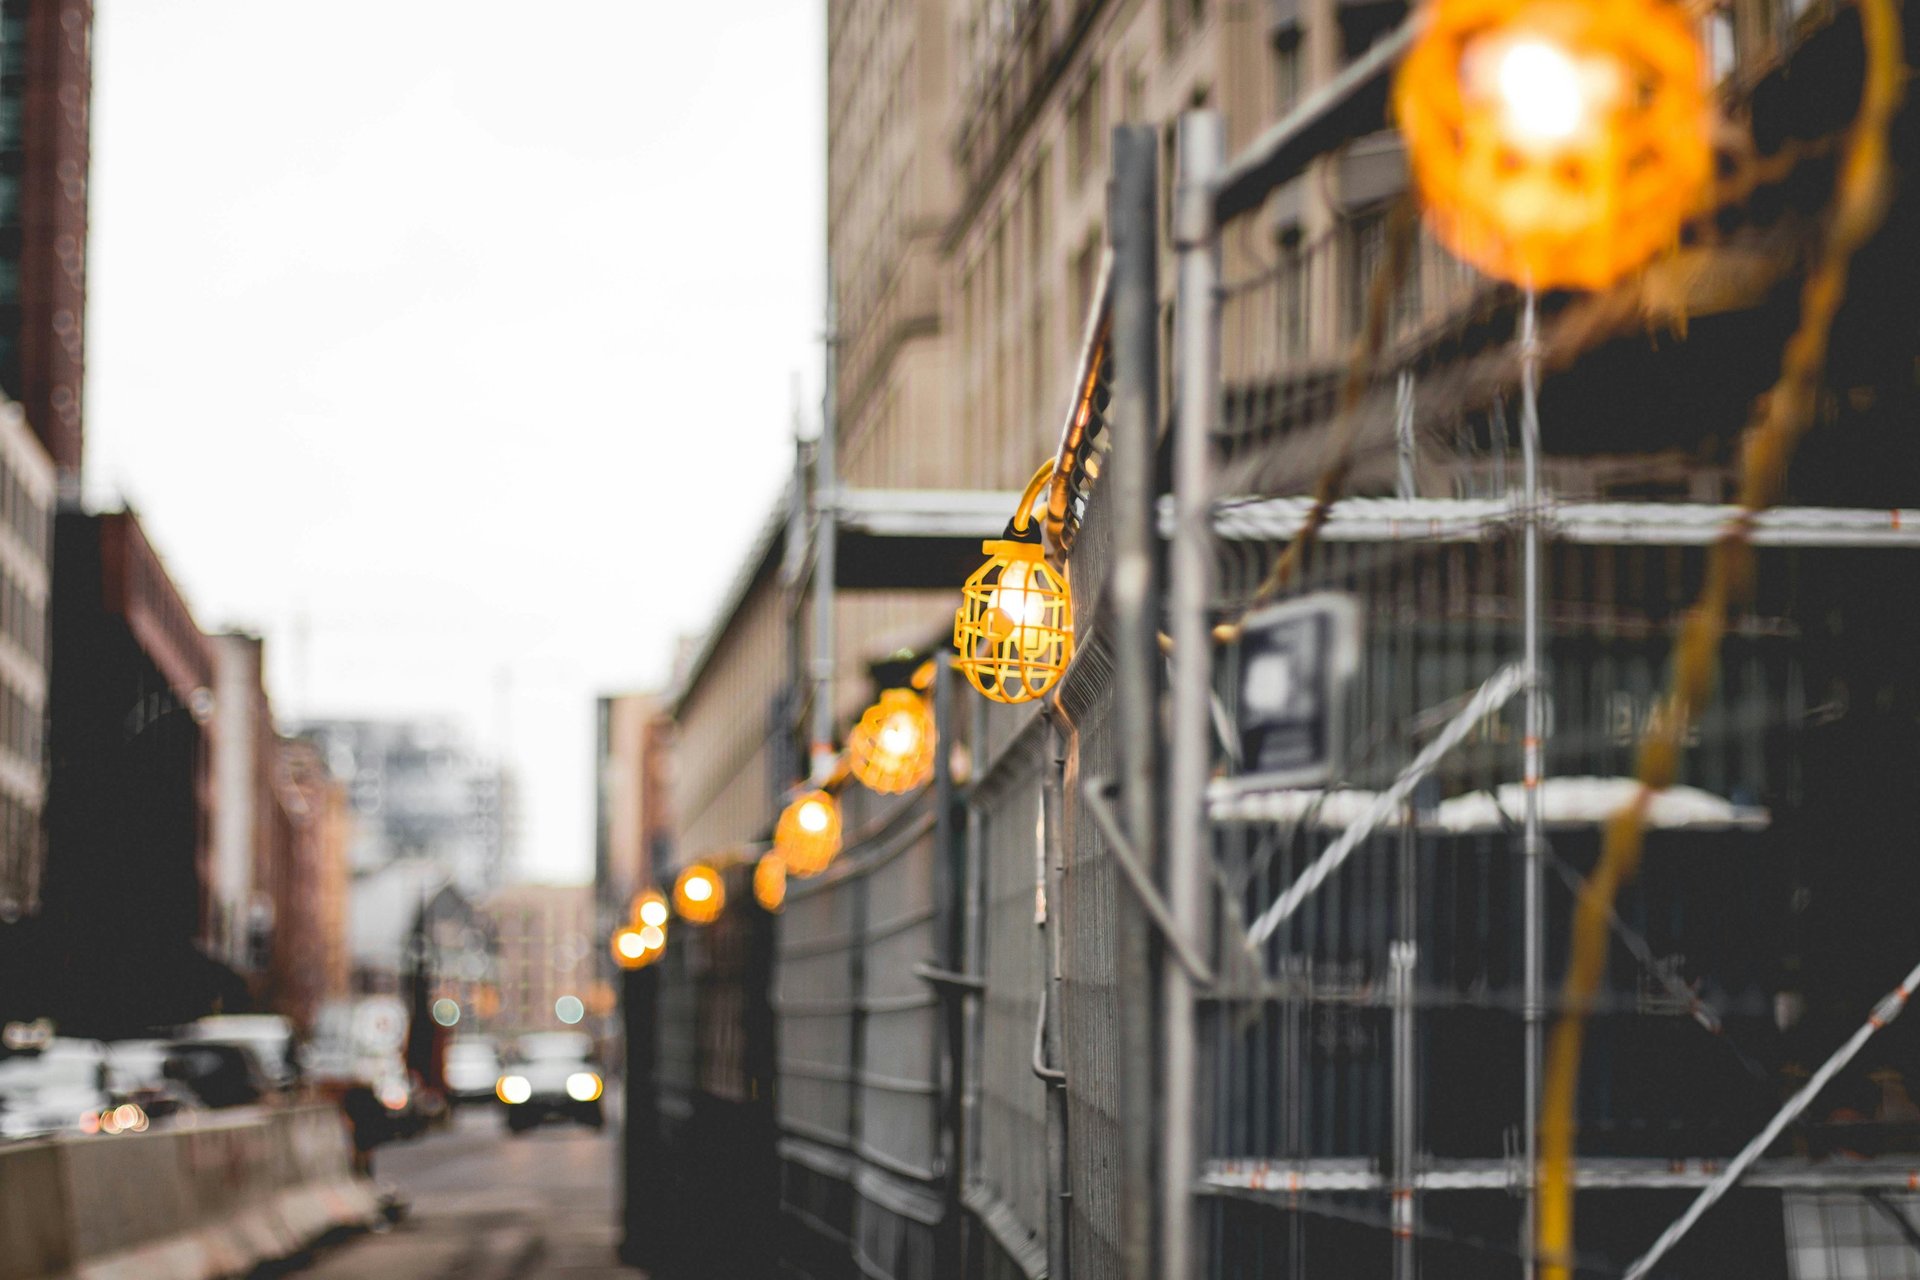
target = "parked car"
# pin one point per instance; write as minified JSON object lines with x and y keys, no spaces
{"x":60,"y":1089}
{"x":267,"y":1036}
{"x":219,"y":1073}
{"x":473,"y":1069}
{"x":553,"y":1075}
{"x":137,"y":1073}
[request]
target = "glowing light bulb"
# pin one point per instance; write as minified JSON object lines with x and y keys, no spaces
{"x":900,"y":735}
{"x":651,"y":937}
{"x":1013,"y":600}
{"x":1547,"y":97}
{"x":653,"y":910}
{"x":629,"y":943}
{"x":698,"y":895}
{"x":813,"y":817}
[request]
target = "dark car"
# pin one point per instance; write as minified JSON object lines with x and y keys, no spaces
{"x":553,"y":1076}
{"x":219,"y":1074}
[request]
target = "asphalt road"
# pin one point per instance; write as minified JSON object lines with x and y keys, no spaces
{"x":490,"y":1206}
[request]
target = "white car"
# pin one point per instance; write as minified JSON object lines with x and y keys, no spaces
{"x":57,"y":1090}
{"x":553,"y":1074}
{"x":473,"y":1069}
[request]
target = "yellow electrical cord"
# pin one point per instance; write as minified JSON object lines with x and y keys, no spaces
{"x":1859,"y":204}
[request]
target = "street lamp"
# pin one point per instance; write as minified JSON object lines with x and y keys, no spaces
{"x":891,"y":749}
{"x":1556,"y":143}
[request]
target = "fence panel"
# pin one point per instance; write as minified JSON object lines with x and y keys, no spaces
{"x":1007,"y":1178}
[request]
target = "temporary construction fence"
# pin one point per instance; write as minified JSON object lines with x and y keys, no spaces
{"x":1110,"y":1008}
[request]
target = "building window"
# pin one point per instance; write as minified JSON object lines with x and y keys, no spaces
{"x":1086,"y":274}
{"x":1366,"y":255}
{"x":1286,"y":75}
{"x":1085,"y":124}
{"x":1291,"y":320}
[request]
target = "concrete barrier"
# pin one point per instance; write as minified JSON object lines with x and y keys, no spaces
{"x":213,"y":1196}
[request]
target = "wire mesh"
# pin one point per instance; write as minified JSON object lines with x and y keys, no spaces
{"x":1008,"y":1138}
{"x":1302,"y":1045}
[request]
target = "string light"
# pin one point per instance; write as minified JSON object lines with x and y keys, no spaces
{"x":770,"y":881}
{"x":651,"y":908}
{"x":698,"y":895}
{"x":1556,"y":143}
{"x":1014,"y":628}
{"x":891,"y":749}
{"x":808,"y":834}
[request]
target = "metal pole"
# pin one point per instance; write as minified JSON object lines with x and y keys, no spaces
{"x":1886,"y":1011}
{"x":1533,"y":846}
{"x":1197,"y":391}
{"x":1059,"y":1169}
{"x":1132,"y":204}
{"x":1403,"y":435}
{"x":825,"y":532}
{"x":1402,"y":958}
{"x":950,"y":892}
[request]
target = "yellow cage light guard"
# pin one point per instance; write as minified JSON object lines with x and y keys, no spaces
{"x":891,"y":750}
{"x":807,"y":837}
{"x":698,"y":895}
{"x":770,"y":882}
{"x":1014,"y":627}
{"x":1556,"y":143}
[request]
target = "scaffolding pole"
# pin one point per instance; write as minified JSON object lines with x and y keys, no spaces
{"x":1197,"y":390}
{"x":1533,"y":844}
{"x":1133,"y":201}
{"x":826,"y":484}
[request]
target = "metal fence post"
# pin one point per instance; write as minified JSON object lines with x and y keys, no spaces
{"x":1197,"y":392}
{"x":826,"y":495}
{"x":1133,"y":201}
{"x":950,"y":894}
{"x":1533,"y":840}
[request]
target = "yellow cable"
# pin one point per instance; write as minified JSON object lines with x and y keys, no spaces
{"x":1859,"y":204}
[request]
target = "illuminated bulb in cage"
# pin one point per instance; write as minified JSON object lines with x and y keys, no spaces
{"x":808,"y":834}
{"x":650,"y":908}
{"x":891,"y":749}
{"x":770,"y":881}
{"x":1557,"y":143}
{"x":698,"y":895}
{"x":635,"y":946}
{"x":1014,"y":628}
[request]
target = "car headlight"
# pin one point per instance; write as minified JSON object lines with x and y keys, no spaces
{"x":583,"y":1086}
{"x":513,"y":1090}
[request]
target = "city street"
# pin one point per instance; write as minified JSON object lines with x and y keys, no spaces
{"x":487,"y":1205}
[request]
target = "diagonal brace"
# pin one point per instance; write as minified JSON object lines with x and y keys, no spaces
{"x":1490,"y":697}
{"x":1141,"y":883}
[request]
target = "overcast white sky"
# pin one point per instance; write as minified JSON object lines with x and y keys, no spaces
{"x":463,"y":329}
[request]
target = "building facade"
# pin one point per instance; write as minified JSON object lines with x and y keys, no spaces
{"x":420,"y":792}
{"x":547,"y":951}
{"x":129,"y":799}
{"x":310,"y":964}
{"x":46,"y":90}
{"x":633,"y":815}
{"x":251,"y":835}
{"x":26,"y":543}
